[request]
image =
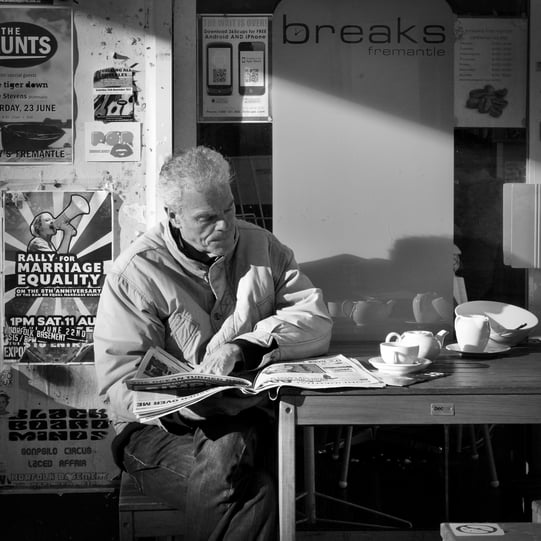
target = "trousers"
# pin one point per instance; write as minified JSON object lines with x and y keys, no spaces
{"x":217,"y":468}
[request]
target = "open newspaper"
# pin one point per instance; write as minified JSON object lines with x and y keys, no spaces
{"x":164,"y":384}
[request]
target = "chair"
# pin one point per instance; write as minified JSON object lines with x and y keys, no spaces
{"x":140,"y":516}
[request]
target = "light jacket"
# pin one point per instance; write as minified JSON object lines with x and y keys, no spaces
{"x":156,"y":296}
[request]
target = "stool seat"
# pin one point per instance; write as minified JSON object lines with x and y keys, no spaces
{"x":141,"y":516}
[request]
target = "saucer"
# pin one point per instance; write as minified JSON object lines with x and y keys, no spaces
{"x":399,"y":369}
{"x":491,"y":350}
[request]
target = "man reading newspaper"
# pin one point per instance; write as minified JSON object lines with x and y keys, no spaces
{"x":225,"y":296}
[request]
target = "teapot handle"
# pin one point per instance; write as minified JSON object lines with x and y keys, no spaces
{"x":347,"y":307}
{"x":391,"y":336}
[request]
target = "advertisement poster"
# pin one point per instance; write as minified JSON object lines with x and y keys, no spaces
{"x":53,"y":434}
{"x":112,"y":141}
{"x":490,"y":73}
{"x":56,"y":248}
{"x":36,"y":86}
{"x":234,"y":68}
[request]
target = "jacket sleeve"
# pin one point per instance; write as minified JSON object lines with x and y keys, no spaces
{"x":300,"y":323}
{"x":120,"y":344}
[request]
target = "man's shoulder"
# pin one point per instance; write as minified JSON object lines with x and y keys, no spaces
{"x":148,"y":245}
{"x":251,"y":230}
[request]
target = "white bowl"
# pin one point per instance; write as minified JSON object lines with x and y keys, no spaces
{"x":504,"y":320}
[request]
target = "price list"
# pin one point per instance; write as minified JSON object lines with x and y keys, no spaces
{"x":490,"y":72}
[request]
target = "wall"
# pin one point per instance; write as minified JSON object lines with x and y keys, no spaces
{"x":54,"y":411}
{"x":363,"y":151}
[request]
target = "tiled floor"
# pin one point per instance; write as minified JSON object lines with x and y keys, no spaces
{"x":399,"y":473}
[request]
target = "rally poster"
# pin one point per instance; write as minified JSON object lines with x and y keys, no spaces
{"x":56,"y":246}
{"x":36,"y":85}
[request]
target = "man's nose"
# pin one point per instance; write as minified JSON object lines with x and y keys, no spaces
{"x":224,"y":222}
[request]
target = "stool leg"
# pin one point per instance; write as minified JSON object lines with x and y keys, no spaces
{"x":474,"y":451}
{"x":490,"y":456}
{"x":459,"y":438}
{"x":336,"y":446}
{"x":343,"y":481}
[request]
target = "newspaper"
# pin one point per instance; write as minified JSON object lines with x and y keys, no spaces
{"x":164,"y":384}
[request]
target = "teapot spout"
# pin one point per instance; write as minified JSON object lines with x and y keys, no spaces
{"x":440,"y":336}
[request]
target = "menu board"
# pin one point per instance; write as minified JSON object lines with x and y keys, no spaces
{"x":490,"y":72}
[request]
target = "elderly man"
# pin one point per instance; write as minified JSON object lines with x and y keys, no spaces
{"x":224,"y":295}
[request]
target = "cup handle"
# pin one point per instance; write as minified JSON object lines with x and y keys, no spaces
{"x":396,"y":360}
{"x":391,"y":335}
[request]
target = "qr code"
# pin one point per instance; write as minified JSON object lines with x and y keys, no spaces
{"x":251,"y":75}
{"x":219,"y":75}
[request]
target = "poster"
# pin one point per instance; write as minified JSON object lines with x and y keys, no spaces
{"x":490,"y":72}
{"x":114,"y":94}
{"x":54,"y":434}
{"x":112,"y":141}
{"x":234,"y":69}
{"x":36,"y":85}
{"x":56,"y":249}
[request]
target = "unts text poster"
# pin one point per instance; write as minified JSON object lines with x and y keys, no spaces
{"x":56,"y":249}
{"x":36,"y":87}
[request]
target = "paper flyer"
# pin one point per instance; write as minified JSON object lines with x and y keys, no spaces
{"x":36,"y":83}
{"x":234,"y":68}
{"x":112,"y":141}
{"x":56,"y":247}
{"x":114,"y":94}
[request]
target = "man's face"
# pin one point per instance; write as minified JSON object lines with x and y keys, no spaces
{"x":207,"y":220}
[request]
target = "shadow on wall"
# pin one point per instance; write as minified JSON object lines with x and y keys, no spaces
{"x":401,"y":289}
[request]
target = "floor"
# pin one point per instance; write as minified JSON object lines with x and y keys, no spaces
{"x":396,"y":470}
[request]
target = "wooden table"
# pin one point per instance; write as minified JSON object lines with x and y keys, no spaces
{"x":500,"y":390}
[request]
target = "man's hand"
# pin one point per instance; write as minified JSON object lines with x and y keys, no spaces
{"x":222,"y":361}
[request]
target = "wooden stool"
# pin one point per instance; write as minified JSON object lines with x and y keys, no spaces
{"x":140,"y":516}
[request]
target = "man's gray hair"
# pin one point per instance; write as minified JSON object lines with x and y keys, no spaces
{"x":198,"y":168}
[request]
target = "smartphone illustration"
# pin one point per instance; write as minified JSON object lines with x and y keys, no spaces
{"x":219,"y":69}
{"x":252,"y":68}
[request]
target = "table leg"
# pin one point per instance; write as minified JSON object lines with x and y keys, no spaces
{"x":309,"y":474}
{"x":286,"y":471}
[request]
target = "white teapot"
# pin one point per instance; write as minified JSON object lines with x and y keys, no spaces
{"x":429,"y":344}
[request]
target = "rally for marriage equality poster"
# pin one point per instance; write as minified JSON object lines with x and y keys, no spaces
{"x":56,"y":247}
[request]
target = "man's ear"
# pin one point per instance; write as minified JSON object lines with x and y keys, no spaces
{"x":173,"y":218}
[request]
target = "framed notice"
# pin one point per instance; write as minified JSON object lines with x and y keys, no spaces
{"x":36,"y":85}
{"x":56,"y":247}
{"x":490,"y":72}
{"x":233,"y":82}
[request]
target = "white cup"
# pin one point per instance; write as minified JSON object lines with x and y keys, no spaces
{"x":472,"y":332}
{"x":393,"y":353}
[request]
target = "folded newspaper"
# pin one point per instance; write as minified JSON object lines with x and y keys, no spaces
{"x":164,"y":384}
